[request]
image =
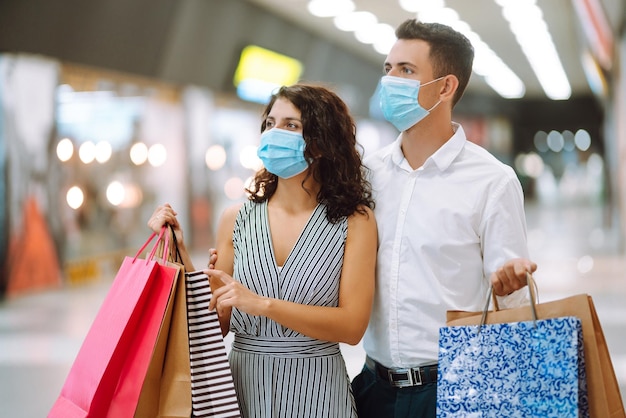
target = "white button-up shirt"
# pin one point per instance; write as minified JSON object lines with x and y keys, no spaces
{"x":442,"y":230}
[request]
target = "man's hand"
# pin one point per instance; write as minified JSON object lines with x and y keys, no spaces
{"x":512,"y":276}
{"x":212,"y":258}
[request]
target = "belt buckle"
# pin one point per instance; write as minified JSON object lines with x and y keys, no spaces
{"x":402,"y":378}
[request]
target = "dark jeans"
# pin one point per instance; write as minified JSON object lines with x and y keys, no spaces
{"x":376,"y":398}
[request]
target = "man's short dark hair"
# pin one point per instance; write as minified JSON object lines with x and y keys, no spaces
{"x":450,"y":51}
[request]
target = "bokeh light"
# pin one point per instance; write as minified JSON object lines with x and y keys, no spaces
{"x":157,"y":155}
{"x":139,"y":153}
{"x":215,"y":157}
{"x":75,"y":197}
{"x":65,"y":149}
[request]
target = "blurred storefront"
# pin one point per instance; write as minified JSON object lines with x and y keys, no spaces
{"x":90,"y":153}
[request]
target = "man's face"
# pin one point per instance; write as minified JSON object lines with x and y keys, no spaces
{"x":409,"y":58}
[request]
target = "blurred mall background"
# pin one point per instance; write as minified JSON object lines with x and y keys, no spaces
{"x":111,"y":107}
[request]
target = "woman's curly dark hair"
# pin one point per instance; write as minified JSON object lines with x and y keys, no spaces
{"x":330,"y":135}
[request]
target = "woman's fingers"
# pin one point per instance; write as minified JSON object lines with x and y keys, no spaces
{"x":163,"y":215}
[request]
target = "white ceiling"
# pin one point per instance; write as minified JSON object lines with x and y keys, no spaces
{"x":485,"y":18}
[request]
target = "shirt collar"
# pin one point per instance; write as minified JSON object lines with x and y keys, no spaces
{"x":442,"y":158}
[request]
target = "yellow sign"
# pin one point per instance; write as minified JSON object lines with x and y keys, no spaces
{"x":267,"y":66}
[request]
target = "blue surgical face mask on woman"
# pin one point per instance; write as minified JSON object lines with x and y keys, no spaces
{"x":398,"y":101}
{"x":282,"y":152}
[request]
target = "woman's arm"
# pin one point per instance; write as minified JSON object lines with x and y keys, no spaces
{"x":344,"y":323}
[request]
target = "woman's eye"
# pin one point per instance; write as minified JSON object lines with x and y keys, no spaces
{"x":268,"y":124}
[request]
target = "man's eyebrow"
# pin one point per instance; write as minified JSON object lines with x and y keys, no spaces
{"x":400,"y":64}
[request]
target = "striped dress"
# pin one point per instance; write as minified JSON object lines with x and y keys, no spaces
{"x":279,"y":372}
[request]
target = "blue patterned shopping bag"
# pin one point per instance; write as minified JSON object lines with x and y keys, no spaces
{"x":518,"y":369}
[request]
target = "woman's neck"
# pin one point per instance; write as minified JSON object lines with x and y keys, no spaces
{"x":292,"y":196}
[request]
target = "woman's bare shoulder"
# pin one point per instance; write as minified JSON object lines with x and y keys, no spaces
{"x":362,"y":218}
{"x":229,"y":215}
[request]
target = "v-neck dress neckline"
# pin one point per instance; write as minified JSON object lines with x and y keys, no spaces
{"x":304,"y":229}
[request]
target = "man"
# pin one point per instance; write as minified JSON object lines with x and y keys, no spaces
{"x":450,"y":219}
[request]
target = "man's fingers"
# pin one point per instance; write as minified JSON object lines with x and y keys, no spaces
{"x":212,"y":258}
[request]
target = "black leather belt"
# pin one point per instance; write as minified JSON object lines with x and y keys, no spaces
{"x":401,"y":378}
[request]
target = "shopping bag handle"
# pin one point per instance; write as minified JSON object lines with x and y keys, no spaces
{"x":532,"y":291}
{"x":156,"y":244}
{"x":166,"y":245}
{"x":179,"y":257}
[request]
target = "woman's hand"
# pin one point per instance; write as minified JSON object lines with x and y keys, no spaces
{"x":165,"y":215}
{"x":234,"y":294}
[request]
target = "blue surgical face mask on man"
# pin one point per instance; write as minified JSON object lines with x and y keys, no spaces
{"x":398,"y":101}
{"x":282,"y":152}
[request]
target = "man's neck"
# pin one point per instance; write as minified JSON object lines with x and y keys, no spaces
{"x":424,"y":139}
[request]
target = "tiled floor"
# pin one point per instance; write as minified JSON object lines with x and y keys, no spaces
{"x":41,"y":333}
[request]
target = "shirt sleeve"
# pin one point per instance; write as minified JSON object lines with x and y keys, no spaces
{"x":503,"y":232}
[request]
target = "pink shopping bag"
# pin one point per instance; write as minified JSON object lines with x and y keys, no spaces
{"x":107,"y":375}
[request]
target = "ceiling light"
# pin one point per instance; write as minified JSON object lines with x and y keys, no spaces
{"x":330,"y":8}
{"x":353,"y":21}
{"x":531,"y":32}
{"x":415,"y":6}
{"x":443,"y":15}
{"x":375,"y":32}
{"x":505,"y":82}
{"x":382,"y":36}
{"x":383,"y":44}
{"x":486,"y":62}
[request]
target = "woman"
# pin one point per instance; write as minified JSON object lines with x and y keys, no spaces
{"x":295,"y":273}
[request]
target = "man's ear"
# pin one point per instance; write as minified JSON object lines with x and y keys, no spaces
{"x":448,"y":88}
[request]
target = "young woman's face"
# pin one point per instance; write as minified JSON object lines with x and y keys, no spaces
{"x":284,"y":115}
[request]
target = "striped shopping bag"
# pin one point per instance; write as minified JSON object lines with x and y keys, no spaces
{"x":212,"y":387}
